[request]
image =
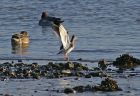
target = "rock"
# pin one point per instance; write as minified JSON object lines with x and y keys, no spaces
{"x":102,"y":64}
{"x":126,"y":61}
{"x":76,"y":78}
{"x":88,"y":76}
{"x":95,"y":74}
{"x":35,"y":76}
{"x":34,"y":65}
{"x":7,"y":64}
{"x":79,"y":88}
{"x":66,"y":71}
{"x":80,"y":59}
{"x":79,"y":74}
{"x":19,"y":65}
{"x":88,"y":88}
{"x":21,"y":70}
{"x":107,"y":85}
{"x":69,"y":65}
{"x":68,"y":90}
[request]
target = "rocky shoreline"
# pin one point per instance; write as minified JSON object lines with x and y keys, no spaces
{"x":20,"y":70}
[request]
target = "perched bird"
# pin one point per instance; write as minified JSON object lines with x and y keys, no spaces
{"x":47,"y":20}
{"x":67,"y":44}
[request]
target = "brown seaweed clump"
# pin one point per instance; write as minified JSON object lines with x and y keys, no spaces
{"x":107,"y":85}
{"x":125,"y":61}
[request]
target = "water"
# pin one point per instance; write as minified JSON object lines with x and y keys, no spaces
{"x":49,"y":87}
{"x":105,"y":28}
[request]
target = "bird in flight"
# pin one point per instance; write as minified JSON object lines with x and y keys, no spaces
{"x":67,"y":44}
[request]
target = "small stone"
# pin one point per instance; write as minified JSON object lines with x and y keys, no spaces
{"x":79,"y":88}
{"x":88,"y":76}
{"x":68,"y":90}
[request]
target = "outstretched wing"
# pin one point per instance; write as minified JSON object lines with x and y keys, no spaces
{"x":55,"y":27}
{"x":62,"y":33}
{"x":64,"y":37}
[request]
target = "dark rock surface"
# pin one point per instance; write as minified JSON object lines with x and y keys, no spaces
{"x":126,"y":61}
{"x":21,"y":70}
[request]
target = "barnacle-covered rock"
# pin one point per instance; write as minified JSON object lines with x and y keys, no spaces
{"x":51,"y":70}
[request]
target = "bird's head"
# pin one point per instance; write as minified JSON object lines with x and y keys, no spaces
{"x":44,"y":14}
{"x":24,"y":33}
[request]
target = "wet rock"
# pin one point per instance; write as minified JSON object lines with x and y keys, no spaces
{"x":126,"y":61}
{"x":88,"y":88}
{"x":107,"y":85}
{"x":76,"y":78}
{"x":94,"y":74}
{"x":6,"y":73}
{"x":7,"y":95}
{"x":80,"y":59}
{"x":44,"y":73}
{"x":66,"y":71}
{"x":3,"y":78}
{"x":79,"y":88}
{"x":120,"y":70}
{"x":79,"y":74}
{"x":34,"y":65}
{"x":102,"y":64}
{"x":69,"y":65}
{"x":34,"y":70}
{"x":19,"y":65}
{"x":12,"y":75}
{"x":68,"y":90}
{"x":7,"y":64}
{"x":87,"y":76}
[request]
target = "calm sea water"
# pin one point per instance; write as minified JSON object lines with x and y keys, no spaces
{"x":105,"y":28}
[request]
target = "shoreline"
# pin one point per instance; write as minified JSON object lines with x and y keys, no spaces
{"x":75,"y":76}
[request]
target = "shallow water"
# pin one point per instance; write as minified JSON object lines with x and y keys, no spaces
{"x":105,"y":28}
{"x":51,"y":86}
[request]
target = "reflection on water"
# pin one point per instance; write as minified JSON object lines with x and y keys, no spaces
{"x":44,"y":29}
{"x":20,"y":49}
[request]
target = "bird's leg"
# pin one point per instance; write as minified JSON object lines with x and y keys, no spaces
{"x":66,"y":57}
